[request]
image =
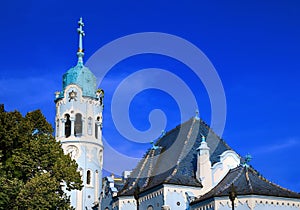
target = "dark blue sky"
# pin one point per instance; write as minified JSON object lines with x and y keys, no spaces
{"x":254,"y":46}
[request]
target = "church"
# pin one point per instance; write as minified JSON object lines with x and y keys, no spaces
{"x":189,"y":167}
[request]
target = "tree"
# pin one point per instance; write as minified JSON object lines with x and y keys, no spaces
{"x":33,"y":168}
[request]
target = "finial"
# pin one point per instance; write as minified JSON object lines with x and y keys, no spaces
{"x":203,"y":138}
{"x":248,"y":158}
{"x":197,"y":115}
{"x":57,"y":93}
{"x":154,"y":147}
{"x":81,"y":33}
{"x":163,"y":133}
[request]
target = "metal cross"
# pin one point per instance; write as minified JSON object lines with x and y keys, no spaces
{"x":81,"y":34}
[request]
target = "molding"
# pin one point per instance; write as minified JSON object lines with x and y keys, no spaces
{"x":80,"y":142}
{"x":253,"y":200}
{"x":223,"y":169}
{"x":151,"y":195}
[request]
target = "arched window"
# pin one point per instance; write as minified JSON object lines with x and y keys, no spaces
{"x":96,"y":183}
{"x":150,"y":207}
{"x":57,"y":128}
{"x":90,"y":129}
{"x":100,"y":156}
{"x":67,"y":125}
{"x":96,"y":131}
{"x":96,"y":127}
{"x":88,"y":177}
{"x":78,"y":125}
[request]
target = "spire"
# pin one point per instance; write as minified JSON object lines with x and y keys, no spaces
{"x":81,"y":33}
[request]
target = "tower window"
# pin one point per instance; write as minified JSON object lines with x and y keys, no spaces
{"x":150,"y":207}
{"x":90,"y":126}
{"x":57,"y":128}
{"x":88,"y":177}
{"x":96,"y":131}
{"x":100,"y":156}
{"x":67,"y":125}
{"x":97,"y":126}
{"x":78,"y":125}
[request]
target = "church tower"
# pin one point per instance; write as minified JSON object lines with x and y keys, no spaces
{"x":78,"y":120}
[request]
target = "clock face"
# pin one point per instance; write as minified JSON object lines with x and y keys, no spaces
{"x":72,"y":151}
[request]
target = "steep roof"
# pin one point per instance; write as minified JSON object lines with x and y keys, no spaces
{"x":246,"y":181}
{"x":174,"y":157}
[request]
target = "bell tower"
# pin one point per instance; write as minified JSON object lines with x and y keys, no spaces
{"x":78,"y":120}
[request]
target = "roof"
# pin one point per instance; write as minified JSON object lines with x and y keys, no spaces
{"x":119,"y":185}
{"x":112,"y":185}
{"x":83,"y":77}
{"x":173,"y":159}
{"x":246,"y":181}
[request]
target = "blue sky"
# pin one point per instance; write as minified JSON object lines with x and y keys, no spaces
{"x":253,"y":45}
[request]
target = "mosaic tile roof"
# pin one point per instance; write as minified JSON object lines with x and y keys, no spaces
{"x":173,"y":161}
{"x":247,"y":181}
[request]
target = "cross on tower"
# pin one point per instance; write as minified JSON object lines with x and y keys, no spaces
{"x":81,"y":33}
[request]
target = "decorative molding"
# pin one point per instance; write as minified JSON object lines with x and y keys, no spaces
{"x":220,"y":169}
{"x":151,"y":195}
{"x":253,"y":201}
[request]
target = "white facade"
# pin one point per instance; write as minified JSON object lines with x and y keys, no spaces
{"x":124,"y":202}
{"x":249,"y":202}
{"x":79,"y":129}
{"x":209,"y":175}
{"x":78,"y":121}
{"x":228,"y":160}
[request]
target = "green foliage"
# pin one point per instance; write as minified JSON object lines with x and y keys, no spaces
{"x":41,"y":192}
{"x":10,"y":189}
{"x":33,"y":168}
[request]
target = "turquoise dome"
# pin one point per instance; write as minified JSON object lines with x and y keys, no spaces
{"x":83,"y":77}
{"x":79,"y":75}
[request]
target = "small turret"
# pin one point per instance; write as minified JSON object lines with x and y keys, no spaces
{"x":204,"y":171}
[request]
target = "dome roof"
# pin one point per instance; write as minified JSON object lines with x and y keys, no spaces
{"x":83,"y":77}
{"x":79,"y":75}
